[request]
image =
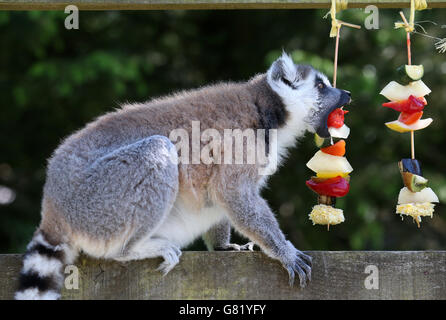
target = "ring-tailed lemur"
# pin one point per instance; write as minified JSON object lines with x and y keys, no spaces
{"x":115,"y":189}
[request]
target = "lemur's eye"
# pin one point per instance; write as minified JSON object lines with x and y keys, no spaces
{"x":321,"y":85}
{"x":289,"y":83}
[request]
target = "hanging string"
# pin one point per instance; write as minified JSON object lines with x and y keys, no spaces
{"x":414,"y":5}
{"x":440,"y":43}
{"x":337,"y":6}
{"x":419,"y":5}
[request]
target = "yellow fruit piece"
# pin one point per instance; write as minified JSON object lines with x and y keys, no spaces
{"x":398,"y":126}
{"x":331,"y":174}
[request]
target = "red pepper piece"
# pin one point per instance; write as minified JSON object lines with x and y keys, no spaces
{"x":333,"y":187}
{"x":410,"y":118}
{"x":410,"y":105}
{"x":336,"y":118}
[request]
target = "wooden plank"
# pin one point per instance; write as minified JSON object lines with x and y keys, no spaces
{"x":252,"y":275}
{"x":199,"y":4}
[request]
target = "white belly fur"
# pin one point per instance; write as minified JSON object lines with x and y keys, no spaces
{"x":99,"y":248}
{"x":183,"y":225}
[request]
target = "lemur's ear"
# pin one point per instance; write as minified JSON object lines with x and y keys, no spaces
{"x":283,"y":69}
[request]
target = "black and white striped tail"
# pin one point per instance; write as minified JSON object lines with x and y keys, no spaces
{"x":42,"y":274}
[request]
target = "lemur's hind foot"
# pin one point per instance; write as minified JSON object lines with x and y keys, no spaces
{"x":171,"y":258}
{"x":152,"y":248}
{"x":236,"y":247}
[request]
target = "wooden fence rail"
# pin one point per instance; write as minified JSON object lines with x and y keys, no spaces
{"x":200,"y":4}
{"x":251,"y":275}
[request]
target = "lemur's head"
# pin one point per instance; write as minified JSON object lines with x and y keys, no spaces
{"x":306,"y":93}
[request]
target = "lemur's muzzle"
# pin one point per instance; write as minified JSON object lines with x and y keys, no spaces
{"x":322,"y":129}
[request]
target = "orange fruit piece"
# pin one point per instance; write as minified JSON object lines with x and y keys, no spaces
{"x":410,"y":118}
{"x":338,"y":149}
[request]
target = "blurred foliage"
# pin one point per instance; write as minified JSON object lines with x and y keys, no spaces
{"x":53,"y":81}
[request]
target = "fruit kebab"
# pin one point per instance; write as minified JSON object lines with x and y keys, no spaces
{"x":332,"y":170}
{"x":415,"y":198}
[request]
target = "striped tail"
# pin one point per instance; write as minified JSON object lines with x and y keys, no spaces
{"x":42,"y":274}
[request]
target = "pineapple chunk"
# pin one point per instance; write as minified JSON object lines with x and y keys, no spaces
{"x":342,"y":132}
{"x":423,"y":196}
{"x":323,"y":162}
{"x":396,"y":92}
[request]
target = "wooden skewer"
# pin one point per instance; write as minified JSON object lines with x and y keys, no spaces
{"x":404,"y":19}
{"x":342,"y":23}
{"x":409,"y":60}
{"x":408,"y":27}
{"x":351,"y":25}
{"x":335,"y":71}
{"x":409,"y":54}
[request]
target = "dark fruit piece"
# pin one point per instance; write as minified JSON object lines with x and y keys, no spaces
{"x":410,"y":165}
{"x":321,"y":142}
{"x":327,"y":200}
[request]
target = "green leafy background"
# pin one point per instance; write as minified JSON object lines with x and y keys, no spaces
{"x":53,"y":81}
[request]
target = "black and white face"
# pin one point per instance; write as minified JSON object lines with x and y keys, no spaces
{"x":328,"y":99}
{"x":307,"y":94}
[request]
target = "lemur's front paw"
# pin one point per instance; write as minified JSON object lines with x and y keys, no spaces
{"x":301,"y":263}
{"x":233,"y":246}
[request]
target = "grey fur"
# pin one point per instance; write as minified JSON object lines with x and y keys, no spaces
{"x":217,"y":238}
{"x":103,"y":197}
{"x":114,"y":188}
